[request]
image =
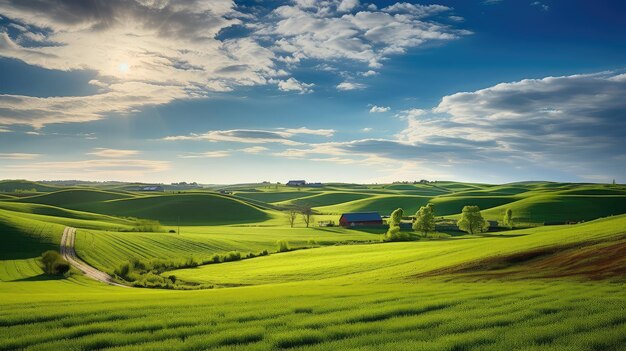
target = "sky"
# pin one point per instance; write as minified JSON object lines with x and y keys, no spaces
{"x":218,"y":91}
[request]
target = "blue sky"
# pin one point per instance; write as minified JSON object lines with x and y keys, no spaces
{"x":336,"y":90}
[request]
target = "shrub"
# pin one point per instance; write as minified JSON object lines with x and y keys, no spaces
{"x":172,"y":278}
{"x":123,"y":270}
{"x":60,"y":266}
{"x":264,"y":253}
{"x":232,"y":256}
{"x":312,"y":242}
{"x":216,"y":258}
{"x":283,"y":246}
{"x":172,"y":231}
{"x":53,"y":263}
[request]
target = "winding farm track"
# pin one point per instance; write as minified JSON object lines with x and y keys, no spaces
{"x":68,"y":252}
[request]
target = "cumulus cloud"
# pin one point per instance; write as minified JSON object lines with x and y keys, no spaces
{"x":411,"y":113}
{"x":350,"y":86}
{"x":369,"y":73}
{"x":334,"y":30}
{"x":113,"y":153}
{"x":293,"y":84}
{"x":566,"y":125}
{"x":379,"y":109}
{"x":170,"y":50}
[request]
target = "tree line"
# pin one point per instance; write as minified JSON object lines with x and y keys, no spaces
{"x":471,"y":221}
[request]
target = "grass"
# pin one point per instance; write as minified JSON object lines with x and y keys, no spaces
{"x":561,"y":208}
{"x":190,"y":209}
{"x":9,"y":186}
{"x":545,"y":288}
{"x":325,"y":199}
{"x":107,"y":250}
{"x":397,"y":259}
{"x":432,"y":315}
{"x":384,"y":204}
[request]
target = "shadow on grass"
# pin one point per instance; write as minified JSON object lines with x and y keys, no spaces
{"x":40,"y":278}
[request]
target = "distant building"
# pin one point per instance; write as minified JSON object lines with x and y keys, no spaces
{"x":152,"y":188}
{"x":296,"y":183}
{"x":357,"y":219}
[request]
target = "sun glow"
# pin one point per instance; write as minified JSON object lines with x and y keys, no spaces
{"x":123,"y":67}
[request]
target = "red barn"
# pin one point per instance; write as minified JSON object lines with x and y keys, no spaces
{"x":357,"y":219}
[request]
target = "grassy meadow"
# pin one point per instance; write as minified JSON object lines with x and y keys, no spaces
{"x":536,"y":287}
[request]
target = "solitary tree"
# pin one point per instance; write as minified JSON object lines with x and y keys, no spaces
{"x":425,"y":219}
{"x":54,"y":263}
{"x":292,"y":215}
{"x":472,"y":221}
{"x":307,"y":214}
{"x":393,"y":233}
{"x":508,"y":218}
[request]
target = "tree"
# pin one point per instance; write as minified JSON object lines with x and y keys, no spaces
{"x":472,"y":221}
{"x":508,"y":218}
{"x":292,"y":215}
{"x":54,"y":263}
{"x":394,"y":233}
{"x":307,"y":214}
{"x":425,"y":219}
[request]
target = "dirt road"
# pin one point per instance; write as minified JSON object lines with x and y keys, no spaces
{"x":68,"y":252}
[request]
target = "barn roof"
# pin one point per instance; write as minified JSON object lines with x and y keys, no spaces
{"x":361,"y":216}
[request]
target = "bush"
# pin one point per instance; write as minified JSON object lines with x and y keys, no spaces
{"x":53,"y":263}
{"x":123,"y":270}
{"x":312,"y":242}
{"x":60,"y":267}
{"x":264,"y":253}
{"x":283,"y":246}
{"x":172,"y":231}
{"x":232,"y":256}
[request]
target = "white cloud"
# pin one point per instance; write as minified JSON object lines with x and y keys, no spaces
{"x":207,"y":154}
{"x":128,"y":169}
{"x":347,"y":5}
{"x":304,"y":130}
{"x":379,"y":109}
{"x":124,"y":97}
{"x":252,"y":136}
{"x":350,"y":86}
{"x":554,"y":125}
{"x":4,"y":130}
{"x":18,"y":156}
{"x":293,"y":84}
{"x":148,"y":52}
{"x":319,"y":30}
{"x":367,"y":130}
{"x":254,"y":149}
{"x":113,"y":153}
{"x":412,"y":113}
{"x":369,"y":73}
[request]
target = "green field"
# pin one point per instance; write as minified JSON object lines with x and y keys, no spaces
{"x":553,"y":287}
